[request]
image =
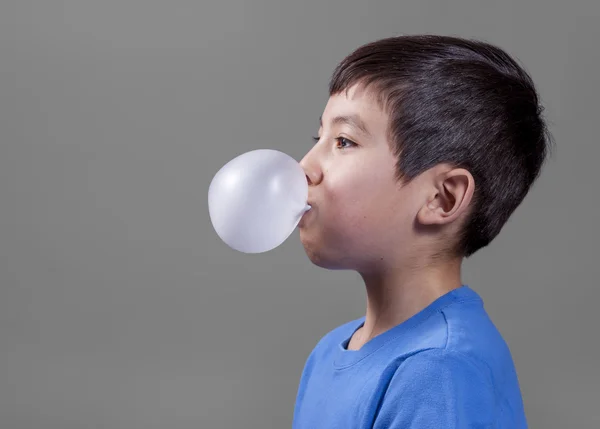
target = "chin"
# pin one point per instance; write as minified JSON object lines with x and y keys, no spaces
{"x":322,"y":257}
{"x":312,"y":248}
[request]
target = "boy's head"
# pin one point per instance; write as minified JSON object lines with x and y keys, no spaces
{"x":425,"y":148}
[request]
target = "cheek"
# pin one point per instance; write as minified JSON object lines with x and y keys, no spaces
{"x":369,"y":209}
{"x":355,"y":209}
{"x":358,"y":211}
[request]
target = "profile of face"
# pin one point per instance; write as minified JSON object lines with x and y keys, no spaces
{"x":359,"y":210}
{"x":362,"y":217}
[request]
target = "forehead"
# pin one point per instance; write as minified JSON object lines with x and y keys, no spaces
{"x":357,"y":101}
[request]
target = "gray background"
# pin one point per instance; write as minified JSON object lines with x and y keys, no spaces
{"x":119,"y":305}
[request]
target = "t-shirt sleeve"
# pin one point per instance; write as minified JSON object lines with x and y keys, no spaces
{"x":438,"y":389}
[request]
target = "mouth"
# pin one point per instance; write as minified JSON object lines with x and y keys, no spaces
{"x":307,"y":215}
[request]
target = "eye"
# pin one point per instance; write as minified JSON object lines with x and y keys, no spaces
{"x":316,"y":139}
{"x":345,"y":143}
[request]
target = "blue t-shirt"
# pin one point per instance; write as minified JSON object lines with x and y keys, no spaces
{"x":445,"y":367}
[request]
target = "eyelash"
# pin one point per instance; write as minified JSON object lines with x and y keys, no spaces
{"x":339,"y":140}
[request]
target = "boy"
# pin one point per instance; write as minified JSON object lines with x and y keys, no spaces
{"x":426,"y":147}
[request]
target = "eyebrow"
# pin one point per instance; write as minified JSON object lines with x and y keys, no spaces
{"x":352,"y":120}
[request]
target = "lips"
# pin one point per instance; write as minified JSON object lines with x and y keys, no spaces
{"x":306,"y":215}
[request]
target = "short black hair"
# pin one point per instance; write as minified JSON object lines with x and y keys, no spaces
{"x":459,"y":101}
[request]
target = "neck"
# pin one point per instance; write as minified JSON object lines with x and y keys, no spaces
{"x":396,"y":294}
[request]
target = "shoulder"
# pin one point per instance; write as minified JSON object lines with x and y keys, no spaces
{"x":437,"y":371}
{"x":473,"y":338}
{"x":459,"y":330}
{"x":438,"y":388}
{"x":438,"y":362}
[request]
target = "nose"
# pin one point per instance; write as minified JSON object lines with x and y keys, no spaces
{"x":312,"y":169}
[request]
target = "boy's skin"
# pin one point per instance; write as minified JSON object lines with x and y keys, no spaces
{"x":398,"y":236}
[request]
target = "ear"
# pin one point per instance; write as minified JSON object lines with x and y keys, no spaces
{"x":452,"y":192}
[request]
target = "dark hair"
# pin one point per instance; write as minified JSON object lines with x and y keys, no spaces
{"x":458,"y":101}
